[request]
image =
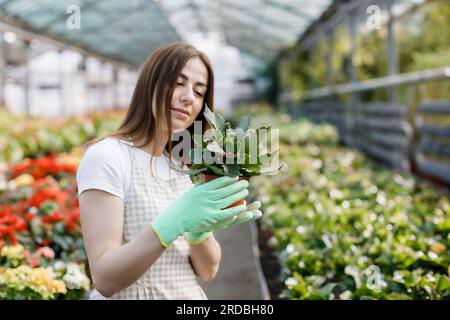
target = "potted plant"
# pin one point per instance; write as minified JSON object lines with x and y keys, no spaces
{"x":225,"y":151}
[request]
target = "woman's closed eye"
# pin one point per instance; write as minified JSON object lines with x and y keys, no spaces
{"x":198,"y":93}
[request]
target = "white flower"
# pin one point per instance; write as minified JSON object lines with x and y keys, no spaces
{"x":432,"y":255}
{"x":312,"y":196}
{"x":290,"y":248}
{"x":430,"y":277}
{"x":33,"y":210}
{"x":381,"y":198}
{"x":74,"y":278}
{"x":51,"y":272}
{"x":373,"y":189}
{"x":319,"y":207}
{"x":336,"y":194}
{"x":3,"y":184}
{"x":346,"y":295}
{"x":317,"y":164}
{"x":398,"y":276}
{"x":59,"y":265}
{"x":12,"y":185}
{"x":290,"y":282}
{"x":301,"y":229}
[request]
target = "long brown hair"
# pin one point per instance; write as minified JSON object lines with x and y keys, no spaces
{"x":150,"y":106}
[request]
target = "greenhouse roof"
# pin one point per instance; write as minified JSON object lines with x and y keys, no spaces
{"x":128,"y":30}
{"x":258,"y":27}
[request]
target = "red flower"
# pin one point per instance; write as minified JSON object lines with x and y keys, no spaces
{"x":34,"y":262}
{"x":45,"y":242}
{"x":70,"y":225}
{"x":69,"y":168}
{"x":38,"y":173}
{"x":18,"y":169}
{"x":41,"y":167}
{"x":75,"y":214}
{"x":48,"y":194}
{"x":55,"y":216}
{"x":10,"y":224}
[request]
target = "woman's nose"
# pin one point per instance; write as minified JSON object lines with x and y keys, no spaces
{"x":187,"y":95}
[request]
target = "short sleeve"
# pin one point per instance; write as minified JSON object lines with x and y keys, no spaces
{"x":101,"y":168}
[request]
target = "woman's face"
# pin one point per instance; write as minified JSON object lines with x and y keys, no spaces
{"x":188,"y":95}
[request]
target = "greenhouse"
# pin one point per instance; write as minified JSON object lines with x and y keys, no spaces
{"x":316,"y":164}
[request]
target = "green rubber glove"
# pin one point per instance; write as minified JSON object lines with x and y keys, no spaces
{"x":200,"y":207}
{"x":251,"y":213}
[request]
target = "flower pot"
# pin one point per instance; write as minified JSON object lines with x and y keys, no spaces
{"x":208,"y":177}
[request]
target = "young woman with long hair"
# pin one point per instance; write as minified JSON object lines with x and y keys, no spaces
{"x":140,"y":219}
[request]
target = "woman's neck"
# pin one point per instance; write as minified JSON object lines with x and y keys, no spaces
{"x":157,"y":152}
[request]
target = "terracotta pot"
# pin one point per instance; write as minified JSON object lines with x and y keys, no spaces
{"x":208,"y":177}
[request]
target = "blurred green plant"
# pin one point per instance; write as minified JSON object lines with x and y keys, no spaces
{"x":347,"y":228}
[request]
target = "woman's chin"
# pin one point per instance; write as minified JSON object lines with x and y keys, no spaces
{"x":179,"y":125}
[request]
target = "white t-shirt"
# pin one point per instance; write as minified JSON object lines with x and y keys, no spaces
{"x":106,"y":166}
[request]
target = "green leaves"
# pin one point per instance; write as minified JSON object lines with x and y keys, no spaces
{"x":368,"y":232}
{"x":216,"y":121}
{"x":222,"y":150}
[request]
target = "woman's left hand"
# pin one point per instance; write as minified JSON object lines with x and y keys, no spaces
{"x":252,"y":213}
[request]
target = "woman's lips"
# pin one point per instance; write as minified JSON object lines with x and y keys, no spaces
{"x":181,"y":113}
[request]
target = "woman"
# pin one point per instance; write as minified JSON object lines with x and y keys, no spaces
{"x":148,"y":237}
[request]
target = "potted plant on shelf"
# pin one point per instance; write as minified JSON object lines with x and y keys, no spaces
{"x":225,"y":151}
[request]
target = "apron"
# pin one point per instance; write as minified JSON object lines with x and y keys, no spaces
{"x":171,"y":276}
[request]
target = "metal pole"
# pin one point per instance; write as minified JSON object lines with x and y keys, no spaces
{"x":391,"y":51}
{"x":62,"y":105}
{"x":115,"y":89}
{"x":26,"y":79}
{"x":350,"y":139}
{"x":2,"y":71}
{"x":83,"y":69}
{"x":328,"y":56}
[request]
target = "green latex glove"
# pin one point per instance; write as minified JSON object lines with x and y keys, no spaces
{"x":200,"y":207}
{"x":251,"y":213}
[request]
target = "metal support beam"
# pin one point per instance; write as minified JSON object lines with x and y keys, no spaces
{"x":291,"y":9}
{"x":350,"y":111}
{"x":62,"y":104}
{"x":328,"y":57}
{"x":378,"y":83}
{"x":26,"y":80}
{"x":351,"y":27}
{"x":9,"y":25}
{"x":391,"y":51}
{"x":115,"y":88}
{"x":2,"y":71}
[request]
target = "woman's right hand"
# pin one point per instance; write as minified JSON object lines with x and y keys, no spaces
{"x":201,"y":207}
